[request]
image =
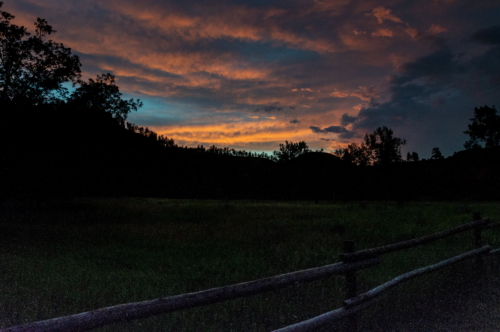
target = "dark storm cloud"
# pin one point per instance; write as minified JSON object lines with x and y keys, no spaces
{"x":294,"y":121}
{"x":490,"y":36}
{"x":433,"y":97}
{"x":270,"y":108}
{"x":344,"y":133}
{"x":483,"y":77}
{"x":331,"y":129}
{"x":436,"y":64}
{"x":404,"y":101}
{"x":349,"y":135}
{"x":430,"y":40}
{"x":419,"y":86}
{"x":347,"y":119}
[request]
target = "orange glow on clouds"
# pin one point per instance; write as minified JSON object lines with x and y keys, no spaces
{"x":383,"y":33}
{"x":234,"y":134}
{"x":435,"y":29}
{"x":237,"y":73}
{"x":266,"y":132}
{"x":382,"y":14}
{"x":237,"y":22}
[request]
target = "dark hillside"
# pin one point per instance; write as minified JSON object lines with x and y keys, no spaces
{"x":318,"y":176}
{"x":477,"y":172}
{"x":49,"y":151}
{"x":468,"y":175}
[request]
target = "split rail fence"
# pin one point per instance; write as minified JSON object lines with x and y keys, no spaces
{"x":351,"y":261}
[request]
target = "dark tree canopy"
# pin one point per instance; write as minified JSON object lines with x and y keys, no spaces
{"x":379,"y":148}
{"x":358,"y":154}
{"x":436,"y":154}
{"x":484,"y":127}
{"x":413,"y":156}
{"x":33,"y":70}
{"x":385,"y":147}
{"x":289,"y":151}
{"x":103,"y":95}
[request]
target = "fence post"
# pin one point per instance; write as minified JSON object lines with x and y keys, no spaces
{"x":351,"y":287}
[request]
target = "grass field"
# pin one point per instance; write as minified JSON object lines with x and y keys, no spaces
{"x":62,"y":257}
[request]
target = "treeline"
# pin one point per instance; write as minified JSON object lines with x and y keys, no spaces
{"x":286,"y":151}
{"x":169,"y":143}
{"x":382,"y":148}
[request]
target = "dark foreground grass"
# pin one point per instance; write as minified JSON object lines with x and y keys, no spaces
{"x":62,"y":257}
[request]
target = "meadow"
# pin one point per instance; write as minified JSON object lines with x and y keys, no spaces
{"x":66,"y":256}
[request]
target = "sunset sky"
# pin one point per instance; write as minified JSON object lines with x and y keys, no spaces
{"x":252,"y":74}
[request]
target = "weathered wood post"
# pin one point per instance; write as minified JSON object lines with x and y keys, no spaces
{"x":351,"y":287}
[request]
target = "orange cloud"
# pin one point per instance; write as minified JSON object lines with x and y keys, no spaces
{"x":113,"y":40}
{"x":363,"y":43}
{"x":234,"y":133}
{"x":382,"y":33}
{"x":365,"y":93}
{"x":435,"y":29}
{"x":382,"y":13}
{"x":359,"y":107}
{"x":239,"y":22}
{"x":362,"y":93}
{"x":250,"y":133}
{"x":339,"y":94}
{"x":238,"y":133}
{"x":412,"y":32}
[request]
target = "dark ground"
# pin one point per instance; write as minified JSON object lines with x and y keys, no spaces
{"x":469,"y":302}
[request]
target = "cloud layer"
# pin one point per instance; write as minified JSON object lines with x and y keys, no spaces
{"x":251,"y":74}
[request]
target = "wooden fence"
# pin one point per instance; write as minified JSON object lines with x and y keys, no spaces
{"x":352,"y":261}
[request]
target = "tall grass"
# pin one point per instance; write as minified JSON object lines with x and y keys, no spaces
{"x":68,"y":256}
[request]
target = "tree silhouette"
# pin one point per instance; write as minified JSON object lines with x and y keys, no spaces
{"x":412,"y":156}
{"x":485,"y":127}
{"x":103,"y":95}
{"x":289,"y":151}
{"x":385,"y":147}
{"x":436,"y":154}
{"x":379,"y":148}
{"x":358,"y":154}
{"x":32,"y":70}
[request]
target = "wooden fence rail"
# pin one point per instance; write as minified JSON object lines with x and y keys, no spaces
{"x":354,"y":304}
{"x":130,"y":311}
{"x":352,"y":262}
{"x":363,"y":301}
{"x":374,"y":252}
